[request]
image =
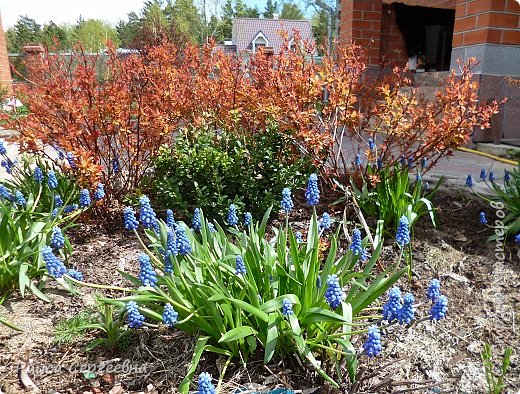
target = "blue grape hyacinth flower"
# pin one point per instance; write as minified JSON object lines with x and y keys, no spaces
{"x":364,"y":255}
{"x":57,"y":238}
{"x":357,"y":160}
{"x":440,"y":308}
{"x":517,"y":239}
{"x":232,"y":217}
{"x":115,"y":165}
{"x":325,"y":222}
{"x":372,"y":346}
{"x":334,"y":295}
{"x":20,"y":198}
{"x":134,"y":318}
{"x":3,"y":150}
{"x":299,"y":237}
{"x":170,"y":219}
{"x":38,"y":174}
{"x":52,"y":181}
{"x":379,"y":163}
{"x":287,"y":202}
{"x":75,"y":274}
{"x":287,"y":307}
{"x":146,"y":213}
{"x":84,"y":198}
{"x":70,"y":208}
{"x":392,"y":308}
{"x":71,"y":160}
{"x":239,"y":265}
{"x":355,"y":245}
{"x":402,"y":236}
{"x":204,"y":384}
{"x":469,"y":180}
{"x":196,"y":221}
{"x":5,"y":193}
{"x":171,"y":250}
{"x":147,"y":274}
{"x":58,"y":201}
{"x":371,"y":145}
{"x":434,"y":290}
{"x":130,"y":220}
{"x":507,"y":176}
{"x":483,"y":174}
{"x":211,"y":227}
{"x":482,"y":218}
{"x":491,"y":176}
{"x":248,"y":218}
{"x":169,"y":316}
{"x":54,"y":265}
{"x":407,"y":312}
{"x":312,"y":193}
{"x":183,"y":243}
{"x":99,"y":193}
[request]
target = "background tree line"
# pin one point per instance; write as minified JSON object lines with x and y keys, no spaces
{"x":180,"y":20}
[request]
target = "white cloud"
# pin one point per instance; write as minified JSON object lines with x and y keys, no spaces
{"x":61,"y":11}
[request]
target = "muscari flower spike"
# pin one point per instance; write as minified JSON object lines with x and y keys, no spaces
{"x":373,"y":346}
{"x":130,"y":220}
{"x":364,"y":255}
{"x":392,"y":308}
{"x":99,"y":193}
{"x":482,"y":218}
{"x":211,"y":227}
{"x":423,"y":162}
{"x":239,"y":265}
{"x":312,"y":194}
{"x":507,"y":176}
{"x":418,"y":177}
{"x":52,"y":181}
{"x":115,"y":165}
{"x":171,"y":250}
{"x":287,"y":202}
{"x":170,"y":219}
{"x":20,"y":198}
{"x":204,"y":384}
{"x":491,"y":176}
{"x":410,"y":162}
{"x":434,"y":290}
{"x":169,"y":315}
{"x":248,"y":218}
{"x":402,"y":236}
{"x":71,"y":160}
{"x":54,"y":212}
{"x":483,"y":174}
{"x":232,"y":218}
{"x":469,"y":181}
{"x":517,"y":239}
{"x":74,"y":274}
{"x":357,"y":160}
{"x":299,"y":237}
{"x":355,"y":245}
{"x":58,"y":201}
{"x":134,"y":318}
{"x":334,"y":294}
{"x":38,"y":174}
{"x":407,"y":312}
{"x":5,"y":193}
{"x":196,"y":221}
{"x":147,"y":274}
{"x":57,"y":238}
{"x":371,"y":145}
{"x":3,"y":150}
{"x":84,"y":198}
{"x":146,"y":213}
{"x":325,"y":222}
{"x":183,"y":243}
{"x":318,"y":282}
{"x":70,"y":208}
{"x":287,"y":307}
{"x":439,"y":309}
{"x":54,"y":265}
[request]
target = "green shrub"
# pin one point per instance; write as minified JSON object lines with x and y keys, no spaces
{"x":508,"y":196}
{"x":211,"y":169}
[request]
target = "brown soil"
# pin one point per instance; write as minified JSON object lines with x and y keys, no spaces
{"x":483,"y":292}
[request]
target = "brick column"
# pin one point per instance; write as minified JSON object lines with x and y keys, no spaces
{"x":490,"y":31}
{"x":32,"y":56}
{"x":5,"y":72}
{"x":360,"y":23}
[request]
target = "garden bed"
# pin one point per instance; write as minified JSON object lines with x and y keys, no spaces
{"x":483,"y":293}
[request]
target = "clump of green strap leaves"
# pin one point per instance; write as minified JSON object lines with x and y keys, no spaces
{"x":234,"y":315}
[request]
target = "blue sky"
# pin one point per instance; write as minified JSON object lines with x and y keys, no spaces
{"x":61,"y":11}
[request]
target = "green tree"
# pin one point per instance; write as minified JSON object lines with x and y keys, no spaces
{"x":56,"y":37}
{"x":291,"y":11}
{"x":185,"y":20}
{"x":226,"y":23}
{"x":320,"y":30}
{"x":242,"y":10}
{"x":93,"y":34}
{"x":127,"y":30}
{"x":271,"y":8}
{"x":25,"y":31}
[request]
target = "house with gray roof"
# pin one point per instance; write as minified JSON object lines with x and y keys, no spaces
{"x":249,"y":34}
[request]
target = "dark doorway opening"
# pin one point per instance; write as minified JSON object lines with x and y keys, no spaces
{"x":428,"y":34}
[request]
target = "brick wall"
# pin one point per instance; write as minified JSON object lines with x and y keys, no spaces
{"x":393,"y":50}
{"x":360,"y":23}
{"x":449,"y":4}
{"x":5,"y":72}
{"x":487,"y":21}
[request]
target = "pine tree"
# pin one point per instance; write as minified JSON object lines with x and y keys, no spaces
{"x":291,"y":11}
{"x":270,"y":9}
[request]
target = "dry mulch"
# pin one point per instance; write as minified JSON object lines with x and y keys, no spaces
{"x":484,"y":301}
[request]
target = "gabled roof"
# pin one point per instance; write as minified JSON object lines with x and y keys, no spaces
{"x":246,"y":29}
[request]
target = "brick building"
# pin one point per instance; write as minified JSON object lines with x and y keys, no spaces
{"x":5,"y":72}
{"x":437,"y":32}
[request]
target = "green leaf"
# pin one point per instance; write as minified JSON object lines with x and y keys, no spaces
{"x":195,"y":358}
{"x":272,"y":337}
{"x":237,"y":333}
{"x":250,"y":309}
